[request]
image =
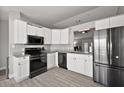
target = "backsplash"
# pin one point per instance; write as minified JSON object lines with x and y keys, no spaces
{"x":61,"y":47}
{"x":21,"y":48}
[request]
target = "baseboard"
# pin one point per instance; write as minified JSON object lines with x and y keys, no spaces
{"x":2,"y":68}
{"x":11,"y":76}
{"x":24,"y":78}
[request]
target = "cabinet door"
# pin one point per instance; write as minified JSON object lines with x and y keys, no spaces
{"x":64,"y":36}
{"x":50,"y":60}
{"x":78,"y":63}
{"x":18,"y":71}
{"x":85,"y":65}
{"x":117,"y":21}
{"x":31,"y":30}
{"x":47,"y":36}
{"x":70,"y":62}
{"x":39,"y":31}
{"x":102,"y":24}
{"x":20,"y":32}
{"x":17,"y":68}
{"x":55,"y":36}
{"x":89,"y":66}
{"x":25,"y":67}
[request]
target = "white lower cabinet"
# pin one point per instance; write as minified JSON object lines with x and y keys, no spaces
{"x":51,"y":57}
{"x":21,"y":68}
{"x":88,"y":65}
{"x":80,"y":63}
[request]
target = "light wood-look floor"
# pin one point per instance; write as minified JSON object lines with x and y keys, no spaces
{"x":56,"y":77}
{"x":2,"y":75}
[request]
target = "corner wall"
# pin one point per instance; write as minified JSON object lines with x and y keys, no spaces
{"x":4,"y":27}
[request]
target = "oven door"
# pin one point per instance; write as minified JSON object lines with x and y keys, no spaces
{"x":37,"y":63}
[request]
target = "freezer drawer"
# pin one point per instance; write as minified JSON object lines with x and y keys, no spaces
{"x":109,"y":76}
{"x":100,"y":74}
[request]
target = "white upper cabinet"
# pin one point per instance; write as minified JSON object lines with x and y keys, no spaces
{"x":85,"y":26}
{"x":39,"y":31}
{"x":60,"y":36}
{"x":55,"y":36}
{"x":64,"y":36}
{"x":20,"y":32}
{"x":47,"y":36}
{"x":102,"y":24}
{"x":117,"y":21}
{"x":31,"y":30}
{"x":36,"y":31}
{"x":111,"y":22}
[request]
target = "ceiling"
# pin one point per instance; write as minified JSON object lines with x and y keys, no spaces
{"x":61,"y":16}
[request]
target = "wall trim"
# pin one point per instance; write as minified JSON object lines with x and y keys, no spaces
{"x":2,"y":68}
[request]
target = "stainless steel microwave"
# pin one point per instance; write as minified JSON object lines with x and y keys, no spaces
{"x":35,"y":40}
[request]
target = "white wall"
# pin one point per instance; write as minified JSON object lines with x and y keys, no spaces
{"x":12,"y":16}
{"x":3,"y":43}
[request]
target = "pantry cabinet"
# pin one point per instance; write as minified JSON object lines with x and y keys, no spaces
{"x":20,"y":32}
{"x":21,"y":68}
{"x":80,"y":63}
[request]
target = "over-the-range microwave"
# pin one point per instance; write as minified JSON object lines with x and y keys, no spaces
{"x":35,"y":40}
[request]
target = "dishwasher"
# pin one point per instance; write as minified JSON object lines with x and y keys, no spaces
{"x":62,"y":60}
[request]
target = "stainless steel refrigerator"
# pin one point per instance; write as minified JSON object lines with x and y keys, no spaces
{"x":109,"y":57}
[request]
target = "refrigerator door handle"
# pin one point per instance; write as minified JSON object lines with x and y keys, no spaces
{"x":110,"y":47}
